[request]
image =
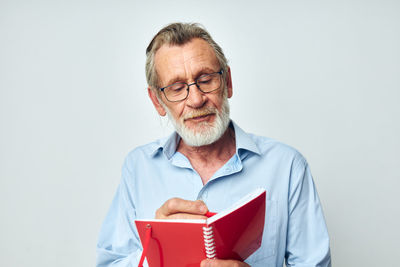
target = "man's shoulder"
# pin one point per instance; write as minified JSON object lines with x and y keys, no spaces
{"x":272,"y":147}
{"x":145,"y":151}
{"x":264,"y":146}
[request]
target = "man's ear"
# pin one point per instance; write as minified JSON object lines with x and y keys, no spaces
{"x":229,"y":83}
{"x":156,"y":103}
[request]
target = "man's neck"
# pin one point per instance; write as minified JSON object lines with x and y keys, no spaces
{"x":206,"y":160}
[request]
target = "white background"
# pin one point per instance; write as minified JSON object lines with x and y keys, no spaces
{"x":322,"y":76}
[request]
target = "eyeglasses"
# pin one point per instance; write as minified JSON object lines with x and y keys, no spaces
{"x":206,"y":83}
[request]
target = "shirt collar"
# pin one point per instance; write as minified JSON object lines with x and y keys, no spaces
{"x":169,"y":144}
{"x":244,"y":140}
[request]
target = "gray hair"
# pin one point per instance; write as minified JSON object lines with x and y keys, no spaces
{"x":179,"y":34}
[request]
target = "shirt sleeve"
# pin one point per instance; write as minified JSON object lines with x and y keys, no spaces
{"x":119,"y":244}
{"x":307,"y":243}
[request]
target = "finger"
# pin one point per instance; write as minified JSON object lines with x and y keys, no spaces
{"x":222,"y":263}
{"x":178,"y":205}
{"x":187,"y":216}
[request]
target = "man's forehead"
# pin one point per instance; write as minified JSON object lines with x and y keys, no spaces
{"x":196,"y":55}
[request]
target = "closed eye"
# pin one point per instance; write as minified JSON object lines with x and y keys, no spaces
{"x":177,"y":87}
{"x":204,"y":79}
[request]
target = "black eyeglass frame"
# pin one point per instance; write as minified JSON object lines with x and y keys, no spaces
{"x":188,"y":86}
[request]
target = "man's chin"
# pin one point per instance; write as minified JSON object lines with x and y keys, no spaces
{"x":198,"y":142}
{"x":200,"y":136}
{"x":199,"y":127}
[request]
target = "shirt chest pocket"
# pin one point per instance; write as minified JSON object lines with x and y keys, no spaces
{"x":264,"y":256}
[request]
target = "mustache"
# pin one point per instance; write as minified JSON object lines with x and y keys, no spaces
{"x":200,"y":112}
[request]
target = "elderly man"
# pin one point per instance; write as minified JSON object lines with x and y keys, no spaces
{"x":209,"y":163}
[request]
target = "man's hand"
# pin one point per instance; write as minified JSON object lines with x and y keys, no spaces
{"x":222,"y":263}
{"x":177,"y":208}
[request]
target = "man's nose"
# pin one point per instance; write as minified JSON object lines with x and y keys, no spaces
{"x":196,"y":98}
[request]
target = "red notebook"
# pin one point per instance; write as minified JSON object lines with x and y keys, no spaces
{"x":234,"y":233}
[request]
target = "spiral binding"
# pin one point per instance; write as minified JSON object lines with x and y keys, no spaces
{"x":209,"y":243}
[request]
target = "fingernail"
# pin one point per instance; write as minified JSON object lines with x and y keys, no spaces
{"x":203,"y":207}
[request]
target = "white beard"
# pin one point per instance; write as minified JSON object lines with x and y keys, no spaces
{"x":205,"y":133}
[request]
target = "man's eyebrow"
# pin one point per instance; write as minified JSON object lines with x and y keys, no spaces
{"x":204,"y":70}
{"x":174,"y":80}
{"x":198,"y":73}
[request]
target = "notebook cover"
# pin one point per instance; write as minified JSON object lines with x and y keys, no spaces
{"x":174,"y":244}
{"x":238,"y":234}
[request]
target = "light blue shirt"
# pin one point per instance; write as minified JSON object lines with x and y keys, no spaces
{"x":295,"y":228}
